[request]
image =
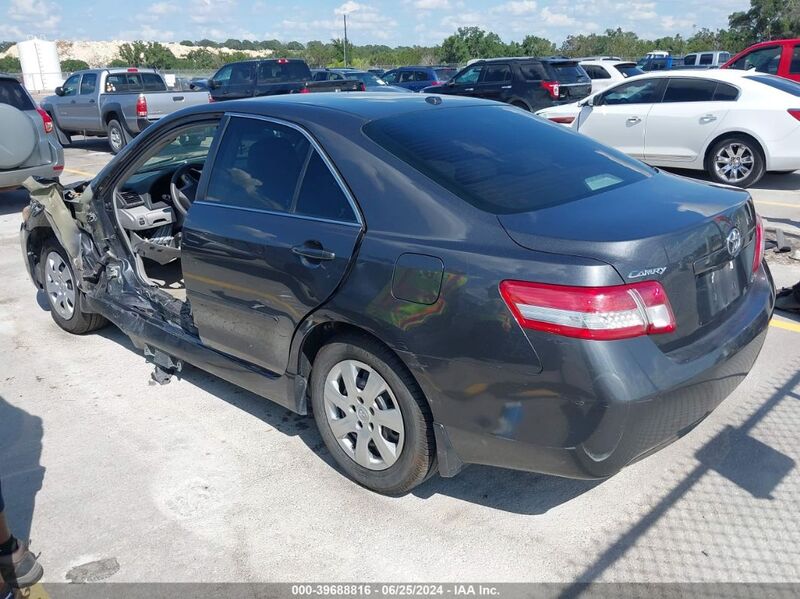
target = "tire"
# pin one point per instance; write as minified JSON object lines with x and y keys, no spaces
{"x":750,"y":168}
{"x":413,"y":458}
{"x":521,"y":105}
{"x":117,"y":136}
{"x":63,"y":296}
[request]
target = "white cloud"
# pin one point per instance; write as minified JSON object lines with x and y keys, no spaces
{"x":161,"y":9}
{"x":211,"y":11}
{"x":556,"y":19}
{"x":431,"y":4}
{"x":515,"y":7}
{"x":34,"y":16}
{"x":350,"y":7}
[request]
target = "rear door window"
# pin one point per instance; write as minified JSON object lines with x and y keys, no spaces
{"x":794,"y":66}
{"x":491,"y":157}
{"x":13,"y":94}
{"x":153,"y":83}
{"x":407,"y":77}
{"x":706,"y":59}
{"x":496,"y":73}
{"x":689,"y":60}
{"x":421,"y":76}
{"x":88,"y":84}
{"x":532,"y":71}
{"x":689,"y":90}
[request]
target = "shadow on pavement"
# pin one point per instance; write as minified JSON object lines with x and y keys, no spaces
{"x":92,"y":144}
{"x":12,"y":202}
{"x":497,"y":488}
{"x":20,"y":471}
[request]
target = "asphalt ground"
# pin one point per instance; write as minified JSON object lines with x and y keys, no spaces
{"x":198,"y":480}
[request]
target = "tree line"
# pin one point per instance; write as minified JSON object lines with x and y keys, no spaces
{"x":766,"y":19}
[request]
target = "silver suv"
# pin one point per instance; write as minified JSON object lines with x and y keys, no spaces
{"x":28,"y":143}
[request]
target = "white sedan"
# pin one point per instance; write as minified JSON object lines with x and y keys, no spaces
{"x":736,"y":125}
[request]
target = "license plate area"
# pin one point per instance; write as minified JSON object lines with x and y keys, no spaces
{"x":719,"y":288}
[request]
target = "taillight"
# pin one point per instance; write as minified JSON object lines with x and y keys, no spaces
{"x":618,"y":312}
{"x":552,"y":87}
{"x":435,"y":82}
{"x":133,"y":70}
{"x":758,"y":252}
{"x":211,"y":99}
{"x":795,"y":112}
{"x":305,"y":90}
{"x":362,"y":87}
{"x":283,"y":60}
{"x":141,"y":107}
{"x":47,"y":122}
{"x":566,"y":120}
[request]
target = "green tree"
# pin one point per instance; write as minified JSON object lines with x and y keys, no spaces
{"x":151,"y":54}
{"x":189,"y":43}
{"x":766,"y":20}
{"x":533,"y":45}
{"x":9,"y":64}
{"x":70,"y":65}
{"x":132,"y":53}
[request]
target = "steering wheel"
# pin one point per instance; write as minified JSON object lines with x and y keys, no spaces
{"x":183,"y":187}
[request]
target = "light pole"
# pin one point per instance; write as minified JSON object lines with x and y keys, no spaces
{"x":344,"y":16}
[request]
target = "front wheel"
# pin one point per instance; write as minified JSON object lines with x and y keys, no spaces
{"x":63,"y":296}
{"x":117,"y":136}
{"x":736,"y":160}
{"x":372,"y":415}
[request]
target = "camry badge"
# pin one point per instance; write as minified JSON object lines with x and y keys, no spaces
{"x":647,"y":272}
{"x":734,"y":241}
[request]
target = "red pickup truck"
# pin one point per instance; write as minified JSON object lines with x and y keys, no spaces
{"x":776,"y":57}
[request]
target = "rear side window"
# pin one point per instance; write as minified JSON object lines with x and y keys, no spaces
{"x":503,"y":160}
{"x":568,"y":72}
{"x":706,"y":59}
{"x":153,"y":83}
{"x":629,"y":69}
{"x":690,"y":59}
{"x":496,"y":73}
{"x":785,"y":85}
{"x":88,"y":84}
{"x":596,"y":72}
{"x":725,"y":93}
{"x":320,"y":194}
{"x":532,"y":71}
{"x":13,"y":94}
{"x":689,"y":90}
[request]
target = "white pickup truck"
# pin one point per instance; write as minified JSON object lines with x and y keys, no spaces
{"x":118,"y":103}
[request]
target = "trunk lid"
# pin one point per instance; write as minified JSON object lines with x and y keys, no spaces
{"x":663,"y":228}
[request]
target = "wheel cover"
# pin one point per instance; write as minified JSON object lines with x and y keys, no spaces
{"x":115,"y":137}
{"x":363,"y":415}
{"x":60,"y":285}
{"x":734,"y":162}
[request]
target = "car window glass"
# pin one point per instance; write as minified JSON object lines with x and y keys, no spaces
{"x":258,"y":165}
{"x":496,"y":73}
{"x":469,"y":75}
{"x":690,"y":59}
{"x":725,"y":93}
{"x":390,"y":77}
{"x":224,"y":74}
{"x":70,"y":86}
{"x":88,"y":83}
{"x":443,"y":74}
{"x":634,"y":92}
{"x":596,"y":72}
{"x":320,"y":193}
{"x":785,"y":85}
{"x":123,"y":82}
{"x":689,"y":90}
{"x":153,"y":83}
{"x":765,"y":60}
{"x":13,"y":94}
{"x":406,"y":76}
{"x":241,"y":75}
{"x":532,"y":71}
{"x":189,"y":144}
{"x":568,"y":72}
{"x":491,"y":157}
{"x":629,"y":69}
{"x":275,"y":71}
{"x":706,"y":59}
{"x":794,"y":66}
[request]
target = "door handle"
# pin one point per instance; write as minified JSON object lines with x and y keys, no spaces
{"x":708,"y":118}
{"x":506,"y":87}
{"x":469,"y":89}
{"x":177,"y":98}
{"x":91,"y":101}
{"x":313,"y":251}
{"x":633,"y":120}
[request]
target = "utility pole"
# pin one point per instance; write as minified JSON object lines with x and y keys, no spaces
{"x":344,"y":16}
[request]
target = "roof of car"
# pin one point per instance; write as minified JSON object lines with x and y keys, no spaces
{"x":606,"y":61}
{"x":722,"y":74}
{"x":366,"y":105}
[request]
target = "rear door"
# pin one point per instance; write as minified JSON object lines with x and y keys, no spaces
{"x":691,"y":111}
{"x":268,"y":240}
{"x":619,"y":120}
{"x":495,"y":83}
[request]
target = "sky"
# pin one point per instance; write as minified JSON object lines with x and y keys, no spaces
{"x":391,"y":22}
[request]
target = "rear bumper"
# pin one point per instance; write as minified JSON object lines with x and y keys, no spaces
{"x":784,"y":154}
{"x":616,"y":403}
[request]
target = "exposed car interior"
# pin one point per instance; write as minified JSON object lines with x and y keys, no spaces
{"x":152,"y":203}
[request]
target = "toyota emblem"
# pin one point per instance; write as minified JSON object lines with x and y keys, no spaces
{"x":734,"y":241}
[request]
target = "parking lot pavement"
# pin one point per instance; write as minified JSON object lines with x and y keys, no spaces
{"x":201,"y":481}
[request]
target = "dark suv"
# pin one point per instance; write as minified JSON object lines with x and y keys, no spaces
{"x":530,"y":83}
{"x":417,"y":78}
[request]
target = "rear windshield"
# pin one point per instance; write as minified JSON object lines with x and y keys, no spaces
{"x":629,"y":69}
{"x":785,"y":85}
{"x":275,"y":72}
{"x":444,"y":74}
{"x":11,"y":92}
{"x":134,"y":82}
{"x":503,"y":160}
{"x":568,"y":72}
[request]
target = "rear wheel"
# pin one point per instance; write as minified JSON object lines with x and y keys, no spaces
{"x":63,"y":296}
{"x":117,"y":136}
{"x":736,"y":160}
{"x":372,"y":415}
